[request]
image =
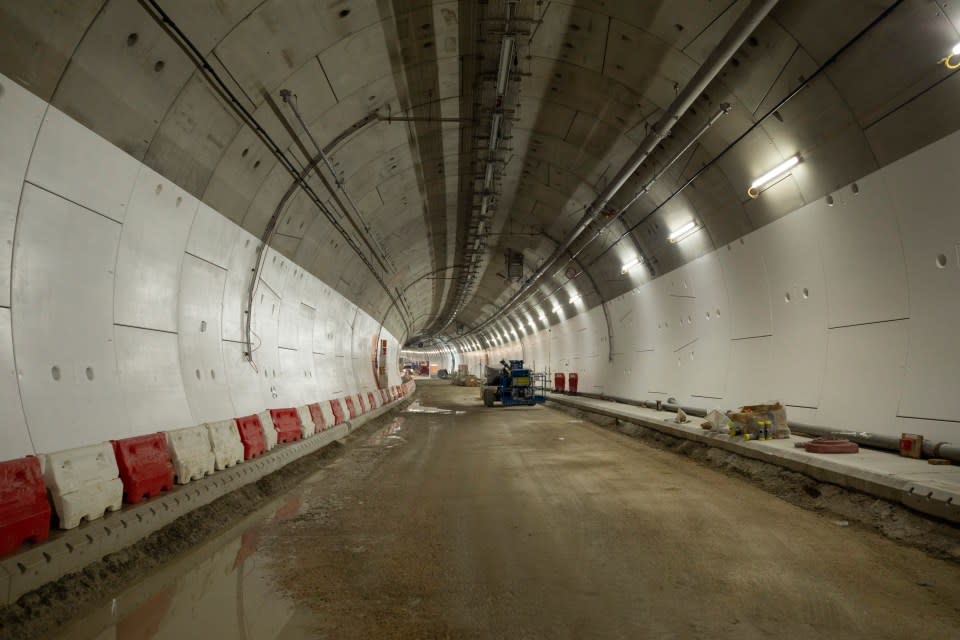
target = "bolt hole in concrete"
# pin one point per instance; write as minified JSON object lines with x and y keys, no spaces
{"x":55,"y":372}
{"x":942,"y":261}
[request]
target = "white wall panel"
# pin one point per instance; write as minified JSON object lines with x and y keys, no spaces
{"x":244,"y":380}
{"x":84,"y":168}
{"x":20,"y":115}
{"x":924,"y":190}
{"x":748,"y":380}
{"x":266,"y":313}
{"x":148,"y":363}
{"x":238,"y":285}
{"x":62,"y":317}
{"x":863,"y":257}
{"x":14,"y":437}
{"x":865,"y":367}
{"x":212,"y":236}
{"x":292,"y":386}
{"x":745,"y":272}
{"x":648,"y":319}
{"x":152,"y":243}
{"x":798,"y":302}
{"x":712,"y":317}
{"x":289,"y":318}
{"x":201,"y":356}
{"x":275,"y":270}
{"x":326,"y":379}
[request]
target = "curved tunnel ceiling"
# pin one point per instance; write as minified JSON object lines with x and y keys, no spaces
{"x":400,"y":95}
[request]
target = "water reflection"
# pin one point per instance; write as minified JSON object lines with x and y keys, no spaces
{"x":388,"y":437}
{"x":218,"y":590}
{"x":416,"y":407}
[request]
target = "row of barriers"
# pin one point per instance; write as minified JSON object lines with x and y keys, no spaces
{"x":560,"y":382}
{"x":84,"y":483}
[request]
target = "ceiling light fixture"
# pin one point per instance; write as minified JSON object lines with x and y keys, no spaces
{"x":949,"y":61}
{"x":505,"y":49}
{"x":773,"y":174}
{"x":556,"y":308}
{"x":683,"y":232}
{"x":630,"y":264}
{"x":495,"y":131}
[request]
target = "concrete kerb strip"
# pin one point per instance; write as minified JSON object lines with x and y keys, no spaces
{"x":927,"y":495}
{"x":70,"y":551}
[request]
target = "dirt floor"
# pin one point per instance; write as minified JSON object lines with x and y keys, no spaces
{"x":458,"y":521}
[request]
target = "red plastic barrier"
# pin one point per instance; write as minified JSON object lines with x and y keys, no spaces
{"x":251,"y":435}
{"x":316,"y":414}
{"x":363,"y":405}
{"x":145,"y":466}
{"x":384,"y":398}
{"x":287,"y":423}
{"x":351,"y":407}
{"x":559,"y":382}
{"x":574,"y":382}
{"x":338,"y":417}
{"x":371,"y":401}
{"x":24,"y":510}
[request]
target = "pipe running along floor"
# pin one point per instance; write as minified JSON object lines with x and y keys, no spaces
{"x":459,"y":521}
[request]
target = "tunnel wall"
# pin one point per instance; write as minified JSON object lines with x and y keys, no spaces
{"x":122,"y":300}
{"x":847,"y":313}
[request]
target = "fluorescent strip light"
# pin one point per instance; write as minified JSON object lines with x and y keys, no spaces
{"x":533,"y":325}
{"x":505,"y":50}
{"x":630,"y":264}
{"x":575,"y":299}
{"x":542,"y":316}
{"x":495,"y":131}
{"x":484,"y":205}
{"x":774,"y":173}
{"x":679,"y":234}
{"x":556,"y":309}
{"x":956,"y":50}
{"x":488,"y":177}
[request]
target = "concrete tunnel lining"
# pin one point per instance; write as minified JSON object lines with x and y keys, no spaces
{"x":134,"y":200}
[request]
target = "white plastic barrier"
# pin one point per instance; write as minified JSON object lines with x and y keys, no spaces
{"x":191,"y":453}
{"x":307,"y":428}
{"x":225,"y":443}
{"x":83,"y":483}
{"x":329,"y":420}
{"x":269,"y":432}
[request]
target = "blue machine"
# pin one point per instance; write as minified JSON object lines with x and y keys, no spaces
{"x":514,"y":384}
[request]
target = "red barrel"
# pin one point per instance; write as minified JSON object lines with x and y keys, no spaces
{"x":559,"y":382}
{"x":574,"y":381}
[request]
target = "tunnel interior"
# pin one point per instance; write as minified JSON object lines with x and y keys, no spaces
{"x":211,"y":210}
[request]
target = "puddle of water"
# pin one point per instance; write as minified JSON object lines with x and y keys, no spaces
{"x":416,"y":407}
{"x":224,"y":588}
{"x":389,"y":436}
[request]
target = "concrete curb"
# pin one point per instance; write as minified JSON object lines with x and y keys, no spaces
{"x":933,"y":491}
{"x":70,"y":551}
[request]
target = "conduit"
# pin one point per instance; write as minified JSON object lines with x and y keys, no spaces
{"x":931,"y":448}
